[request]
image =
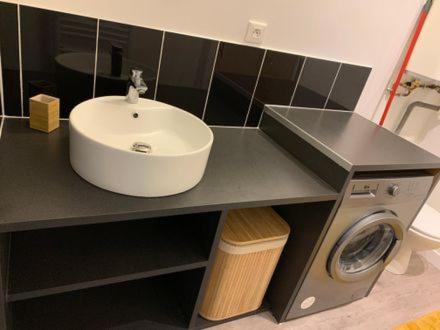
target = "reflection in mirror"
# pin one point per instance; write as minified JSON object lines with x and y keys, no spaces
{"x":57,"y":56}
{"x":124,"y":47}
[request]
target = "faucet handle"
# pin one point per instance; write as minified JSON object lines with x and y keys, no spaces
{"x":136,"y":73}
{"x":137,"y":81}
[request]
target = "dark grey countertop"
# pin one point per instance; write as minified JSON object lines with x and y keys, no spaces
{"x":353,"y":141}
{"x":39,"y":189}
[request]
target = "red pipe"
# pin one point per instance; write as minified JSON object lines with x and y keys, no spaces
{"x":408,"y":54}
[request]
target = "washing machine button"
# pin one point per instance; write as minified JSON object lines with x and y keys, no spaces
{"x":393,"y":190}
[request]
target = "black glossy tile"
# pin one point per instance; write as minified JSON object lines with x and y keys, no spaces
{"x":10,"y":59}
{"x":315,"y":83}
{"x":58,"y":56}
{"x":233,"y":83}
{"x":348,"y":87}
{"x":122,"y":47}
{"x":185,"y":71}
{"x":276,"y":84}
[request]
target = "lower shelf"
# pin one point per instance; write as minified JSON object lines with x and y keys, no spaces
{"x":58,"y":260}
{"x":202,"y":323}
{"x":163,"y":302}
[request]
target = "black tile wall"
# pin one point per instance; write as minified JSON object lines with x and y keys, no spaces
{"x":315,"y":83}
{"x":348,"y":87}
{"x":228,"y":87}
{"x":10,"y":58}
{"x":58,"y":56}
{"x":185,"y":72}
{"x":122,"y":47}
{"x":235,"y":76}
{"x":277,"y":82}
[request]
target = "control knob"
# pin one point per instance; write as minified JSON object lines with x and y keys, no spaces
{"x":394,"y":190}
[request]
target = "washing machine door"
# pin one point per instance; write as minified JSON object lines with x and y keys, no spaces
{"x":366,"y":247}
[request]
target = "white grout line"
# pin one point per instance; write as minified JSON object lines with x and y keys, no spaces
{"x":95,"y":69}
{"x":255,"y":87}
{"x":226,"y":126}
{"x":27,"y":117}
{"x":333,"y":85}
{"x":293,"y":107}
{"x":67,"y":119}
{"x":296,"y":107}
{"x":1,"y":125}
{"x":159,"y":64}
{"x":2,"y":100}
{"x":210,"y":80}
{"x":297,"y":82}
{"x":261,"y":117}
{"x":20,"y":60}
{"x":16,"y":117}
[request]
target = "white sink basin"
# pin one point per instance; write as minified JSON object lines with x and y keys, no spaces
{"x":173,"y":146}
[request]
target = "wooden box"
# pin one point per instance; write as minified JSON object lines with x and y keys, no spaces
{"x":44,"y":113}
{"x":247,"y":255}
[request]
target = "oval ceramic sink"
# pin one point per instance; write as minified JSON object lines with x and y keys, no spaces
{"x":147,"y":149}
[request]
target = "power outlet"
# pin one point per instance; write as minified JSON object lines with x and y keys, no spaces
{"x":255,"y":32}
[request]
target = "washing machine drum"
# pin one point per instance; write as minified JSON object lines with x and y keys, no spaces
{"x":366,"y":247}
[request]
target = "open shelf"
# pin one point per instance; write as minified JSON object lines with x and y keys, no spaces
{"x":162,"y":302}
{"x":50,"y":261}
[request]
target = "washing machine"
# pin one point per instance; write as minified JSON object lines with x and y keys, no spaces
{"x":365,"y":234}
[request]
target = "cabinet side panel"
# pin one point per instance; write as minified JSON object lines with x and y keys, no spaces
{"x":4,"y":263}
{"x":307,"y":222}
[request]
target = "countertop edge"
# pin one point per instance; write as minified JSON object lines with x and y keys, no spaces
{"x":146,"y":215}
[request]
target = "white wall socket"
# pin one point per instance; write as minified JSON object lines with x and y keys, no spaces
{"x":255,"y":32}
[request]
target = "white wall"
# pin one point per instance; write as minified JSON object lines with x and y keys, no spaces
{"x":370,"y":33}
{"x":425,"y":59}
{"x":422,"y":126}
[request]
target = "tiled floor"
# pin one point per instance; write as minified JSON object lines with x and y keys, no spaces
{"x":394,"y":300}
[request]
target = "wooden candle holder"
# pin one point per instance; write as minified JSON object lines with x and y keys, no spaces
{"x":44,"y":113}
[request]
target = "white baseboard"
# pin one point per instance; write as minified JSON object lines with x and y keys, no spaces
{"x":433,"y":257}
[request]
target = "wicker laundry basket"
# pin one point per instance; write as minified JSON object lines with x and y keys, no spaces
{"x":250,"y":246}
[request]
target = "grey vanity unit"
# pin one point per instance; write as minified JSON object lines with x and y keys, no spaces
{"x":74,"y":256}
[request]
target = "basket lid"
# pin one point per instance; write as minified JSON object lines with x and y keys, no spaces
{"x":254,"y":225}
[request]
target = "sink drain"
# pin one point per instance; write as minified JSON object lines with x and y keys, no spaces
{"x":142,"y":147}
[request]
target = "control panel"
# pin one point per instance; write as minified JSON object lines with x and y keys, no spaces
{"x":387,"y":190}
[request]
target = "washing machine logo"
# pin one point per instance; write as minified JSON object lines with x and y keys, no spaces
{"x":308,"y":302}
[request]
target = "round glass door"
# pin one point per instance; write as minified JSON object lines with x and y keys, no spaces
{"x":366,"y":248}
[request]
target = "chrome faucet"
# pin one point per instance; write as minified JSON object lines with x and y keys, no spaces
{"x":136,"y":85}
